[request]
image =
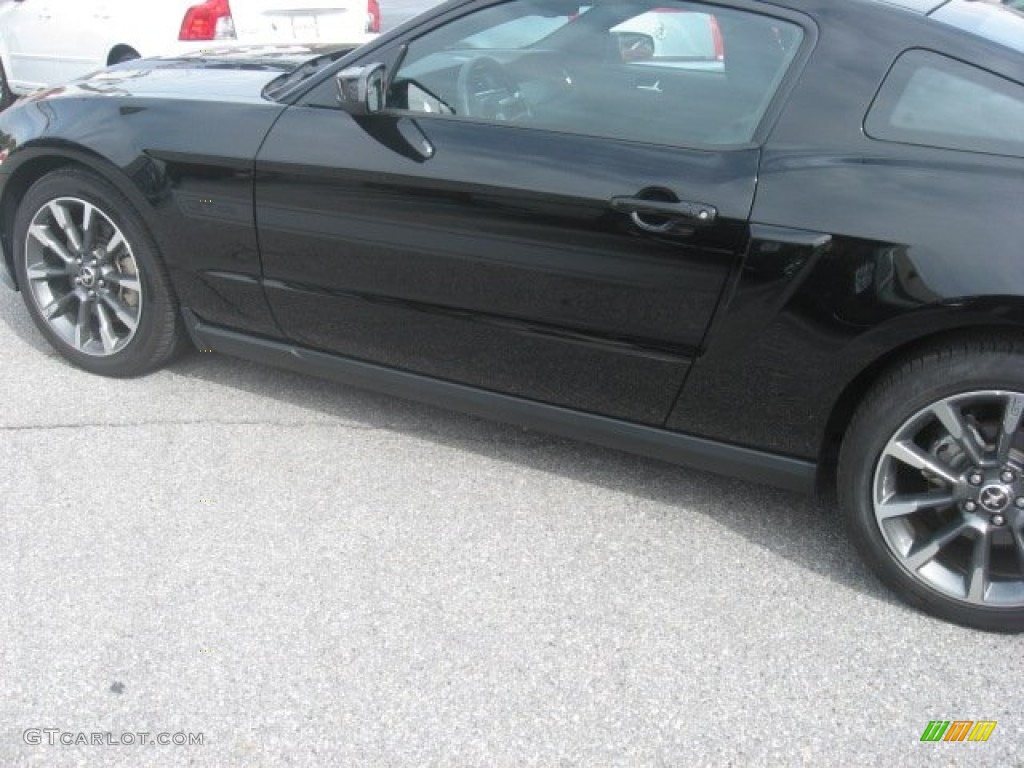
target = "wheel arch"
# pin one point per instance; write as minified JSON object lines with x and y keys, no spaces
{"x":36,"y":162}
{"x":1011,"y":323}
{"x":119,"y":51}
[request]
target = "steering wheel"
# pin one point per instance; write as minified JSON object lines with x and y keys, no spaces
{"x":485,"y":89}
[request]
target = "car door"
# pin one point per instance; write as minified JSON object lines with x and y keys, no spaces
{"x":54,"y":41}
{"x":535,"y":211}
{"x":83,"y":32}
{"x":32,"y":46}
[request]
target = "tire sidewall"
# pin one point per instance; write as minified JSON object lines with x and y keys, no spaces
{"x":134,"y":358}
{"x":126,"y":56}
{"x":873,"y":426}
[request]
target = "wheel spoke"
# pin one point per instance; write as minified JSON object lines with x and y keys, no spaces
{"x":124,"y":314}
{"x":928,"y":550}
{"x":115,"y":242}
{"x":107,"y":334}
{"x":952,"y":420}
{"x":977,"y":576}
{"x":1018,"y":540}
{"x":909,"y":453}
{"x":88,"y":227}
{"x":63,"y":219}
{"x":83,"y":331}
{"x":128,"y":282}
{"x":44,"y":236}
{"x":58,"y":307}
{"x":42,"y":272}
{"x":1009,"y":426}
{"x":898,"y":506}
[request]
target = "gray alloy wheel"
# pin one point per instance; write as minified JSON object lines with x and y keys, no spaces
{"x":83,"y":276}
{"x":91,"y":276}
{"x":949,"y":497}
{"x":931,"y":481}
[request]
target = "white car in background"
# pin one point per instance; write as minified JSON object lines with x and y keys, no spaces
{"x":673,"y":38}
{"x":45,"y":42}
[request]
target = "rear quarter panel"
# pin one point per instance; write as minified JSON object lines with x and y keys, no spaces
{"x":912,"y":244}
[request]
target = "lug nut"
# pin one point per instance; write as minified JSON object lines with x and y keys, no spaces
{"x":102,"y":284}
{"x":998,"y":519}
{"x":1019,"y":502}
{"x":970,"y":506}
{"x":1006,"y":476}
{"x":975,"y":479}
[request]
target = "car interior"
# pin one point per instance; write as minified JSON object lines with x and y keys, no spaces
{"x":591,"y":64}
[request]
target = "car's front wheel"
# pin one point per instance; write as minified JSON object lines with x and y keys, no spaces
{"x":931,"y":481}
{"x":91,"y":276}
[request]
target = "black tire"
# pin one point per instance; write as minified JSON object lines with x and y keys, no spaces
{"x":111,"y":307}
{"x":123,"y":56}
{"x":6,"y":96}
{"x":931,"y":482}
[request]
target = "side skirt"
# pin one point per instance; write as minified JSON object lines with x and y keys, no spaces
{"x":696,"y":452}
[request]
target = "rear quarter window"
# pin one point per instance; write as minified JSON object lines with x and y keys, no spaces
{"x":935,"y":101}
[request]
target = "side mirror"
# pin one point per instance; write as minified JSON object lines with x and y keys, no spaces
{"x":361,"y":89}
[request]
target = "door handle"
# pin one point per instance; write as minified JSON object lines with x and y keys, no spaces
{"x":638,"y":207}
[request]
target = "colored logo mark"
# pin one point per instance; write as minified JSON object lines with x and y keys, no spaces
{"x":958,"y":730}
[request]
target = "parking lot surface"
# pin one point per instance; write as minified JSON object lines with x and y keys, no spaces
{"x":307,"y":574}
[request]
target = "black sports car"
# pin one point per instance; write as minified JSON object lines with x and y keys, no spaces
{"x":776,"y":239}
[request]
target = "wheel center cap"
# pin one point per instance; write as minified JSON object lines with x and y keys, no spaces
{"x":87,"y":276}
{"x":994,"y":498}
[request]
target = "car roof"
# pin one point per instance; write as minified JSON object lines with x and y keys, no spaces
{"x":918,"y":6}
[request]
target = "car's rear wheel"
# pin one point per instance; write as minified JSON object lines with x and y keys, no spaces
{"x":91,"y":276}
{"x":931,"y":481}
{"x":123,"y":55}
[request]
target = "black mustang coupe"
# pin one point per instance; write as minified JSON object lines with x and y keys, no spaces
{"x":778,"y":239}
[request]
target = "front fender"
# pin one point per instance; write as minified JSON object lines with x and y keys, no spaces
{"x":193,"y":190}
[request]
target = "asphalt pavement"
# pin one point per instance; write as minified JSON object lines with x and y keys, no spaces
{"x":305,"y":574}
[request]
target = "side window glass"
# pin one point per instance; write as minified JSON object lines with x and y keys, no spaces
{"x":657,"y":71}
{"x":671,"y":36}
{"x":935,"y":101}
